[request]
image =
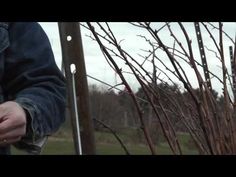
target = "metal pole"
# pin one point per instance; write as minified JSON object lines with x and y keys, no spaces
{"x":203,"y":56}
{"x":73,"y":71}
{"x":72,"y":53}
{"x":233,"y":67}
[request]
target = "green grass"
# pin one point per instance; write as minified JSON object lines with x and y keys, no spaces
{"x":106,"y":144}
{"x":55,"y":147}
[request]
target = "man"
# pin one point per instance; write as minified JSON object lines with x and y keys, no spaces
{"x":32,"y":88}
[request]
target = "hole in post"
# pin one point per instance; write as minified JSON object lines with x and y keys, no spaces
{"x":69,"y":38}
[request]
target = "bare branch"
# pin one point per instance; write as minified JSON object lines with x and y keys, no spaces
{"x":115,"y":134}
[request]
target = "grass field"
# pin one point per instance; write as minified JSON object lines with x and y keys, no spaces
{"x":106,"y":144}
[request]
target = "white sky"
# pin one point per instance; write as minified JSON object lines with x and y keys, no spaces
{"x":97,"y":66}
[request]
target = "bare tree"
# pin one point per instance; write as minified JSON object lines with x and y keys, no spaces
{"x":210,"y":123}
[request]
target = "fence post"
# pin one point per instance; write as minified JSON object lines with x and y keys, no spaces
{"x":72,"y":53}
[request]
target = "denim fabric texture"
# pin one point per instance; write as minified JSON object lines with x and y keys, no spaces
{"x":30,"y":77}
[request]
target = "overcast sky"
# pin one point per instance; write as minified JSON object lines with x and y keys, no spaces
{"x":97,"y":67}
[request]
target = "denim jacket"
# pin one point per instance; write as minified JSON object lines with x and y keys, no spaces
{"x":30,"y":77}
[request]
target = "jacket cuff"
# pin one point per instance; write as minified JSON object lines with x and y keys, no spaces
{"x":29,"y":109}
{"x":33,"y":141}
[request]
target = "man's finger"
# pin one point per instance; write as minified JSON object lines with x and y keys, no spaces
{"x":5,"y":142}
{"x":8,"y":125}
{"x":16,"y":132}
{"x":3,"y":110}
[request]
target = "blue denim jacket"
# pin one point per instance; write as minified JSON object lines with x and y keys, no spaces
{"x":30,"y":76}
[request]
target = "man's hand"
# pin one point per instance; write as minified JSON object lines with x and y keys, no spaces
{"x":12,"y":123}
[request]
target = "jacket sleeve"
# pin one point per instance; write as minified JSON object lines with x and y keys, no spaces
{"x":32,"y":79}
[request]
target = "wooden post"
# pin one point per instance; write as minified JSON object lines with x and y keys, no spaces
{"x":72,"y":53}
